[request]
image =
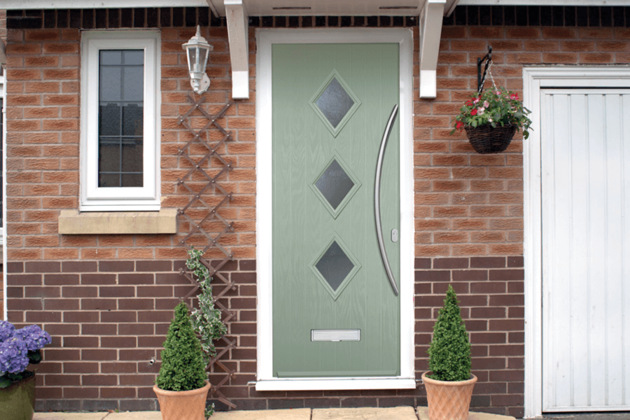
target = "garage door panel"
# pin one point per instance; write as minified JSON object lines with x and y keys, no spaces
{"x":585,"y":154}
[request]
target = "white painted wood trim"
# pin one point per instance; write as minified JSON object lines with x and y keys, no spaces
{"x":265,"y":39}
{"x":543,"y":2}
{"x":3,"y":188}
{"x":237,"y":24}
{"x":431,"y":33}
{"x":334,"y":7}
{"x":92,"y":197}
{"x":535,"y":79}
{"x":335,"y":384}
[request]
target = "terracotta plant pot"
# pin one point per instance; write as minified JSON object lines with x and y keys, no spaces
{"x":17,"y":402}
{"x":183,"y":405}
{"x":448,"y":400}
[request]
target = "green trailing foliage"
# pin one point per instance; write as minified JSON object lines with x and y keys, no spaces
{"x":206,"y":319}
{"x":183,"y":367}
{"x":449,"y":353}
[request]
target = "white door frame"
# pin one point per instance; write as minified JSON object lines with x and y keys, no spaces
{"x":265,"y":38}
{"x":534,"y":80}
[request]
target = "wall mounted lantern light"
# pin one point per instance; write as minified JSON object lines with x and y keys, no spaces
{"x":197,"y":51}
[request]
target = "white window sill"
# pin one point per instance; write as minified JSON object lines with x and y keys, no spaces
{"x":335,"y":384}
{"x":72,"y":222}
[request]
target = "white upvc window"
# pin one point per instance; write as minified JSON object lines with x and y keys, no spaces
{"x":120,"y":121}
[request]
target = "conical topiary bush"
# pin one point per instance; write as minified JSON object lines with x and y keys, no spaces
{"x":450,"y":384}
{"x":181,"y":385}
{"x":449,"y":353}
{"x":182,"y":358}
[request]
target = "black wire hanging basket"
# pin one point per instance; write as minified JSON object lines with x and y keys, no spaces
{"x":487,"y":139}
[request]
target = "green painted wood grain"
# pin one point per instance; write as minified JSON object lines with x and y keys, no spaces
{"x":302,"y":227}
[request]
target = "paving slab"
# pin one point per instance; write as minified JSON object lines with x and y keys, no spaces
{"x":371,"y":413}
{"x":70,"y":416}
{"x":423,"y":414}
{"x":292,"y":414}
{"x":135,"y":415}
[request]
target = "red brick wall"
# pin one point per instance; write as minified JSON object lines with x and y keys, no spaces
{"x":95,"y":295}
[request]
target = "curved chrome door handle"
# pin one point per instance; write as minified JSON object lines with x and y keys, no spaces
{"x":377,"y":199}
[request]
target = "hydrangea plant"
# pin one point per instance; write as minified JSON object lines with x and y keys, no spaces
{"x":18,"y":348}
{"x":494,"y":107}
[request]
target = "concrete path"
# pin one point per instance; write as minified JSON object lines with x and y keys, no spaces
{"x":394,"y":413}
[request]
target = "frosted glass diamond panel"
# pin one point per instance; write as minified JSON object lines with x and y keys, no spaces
{"x":334,"y":265}
{"x":334,"y":184}
{"x":334,"y":102}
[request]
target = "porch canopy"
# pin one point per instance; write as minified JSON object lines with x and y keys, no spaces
{"x":236,"y":12}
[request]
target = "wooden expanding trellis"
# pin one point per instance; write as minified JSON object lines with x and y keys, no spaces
{"x":202,"y":216}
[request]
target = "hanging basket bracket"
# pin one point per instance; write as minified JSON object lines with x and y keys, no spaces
{"x":481,"y":79}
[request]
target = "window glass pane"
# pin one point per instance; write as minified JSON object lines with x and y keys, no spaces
{"x":334,"y":265}
{"x":109,"y":156}
{"x":334,"y":184}
{"x":133,"y":83}
{"x":109,"y":58}
{"x":131,"y":57}
{"x":121,"y":118}
{"x":110,"y":82}
{"x":132,"y":120}
{"x":334,"y":102}
{"x":109,"y":120}
{"x":131,"y":152}
{"x":132,"y":180}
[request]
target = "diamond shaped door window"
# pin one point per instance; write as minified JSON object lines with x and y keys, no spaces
{"x":335,"y":267}
{"x":335,"y":103}
{"x":335,"y":186}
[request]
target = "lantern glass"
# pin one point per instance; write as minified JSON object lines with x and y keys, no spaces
{"x":197,"y":49}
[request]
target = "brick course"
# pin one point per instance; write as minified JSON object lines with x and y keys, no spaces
{"x":107,"y":299}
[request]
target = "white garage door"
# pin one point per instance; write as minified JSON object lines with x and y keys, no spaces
{"x":585,"y":158}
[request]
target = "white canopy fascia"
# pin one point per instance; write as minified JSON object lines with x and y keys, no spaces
{"x":297,"y":7}
{"x":236,"y":12}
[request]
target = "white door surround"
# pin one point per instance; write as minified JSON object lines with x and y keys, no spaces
{"x":265,"y":39}
{"x":536,"y":79}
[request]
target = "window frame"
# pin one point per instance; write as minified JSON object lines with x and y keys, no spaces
{"x":93,"y":197}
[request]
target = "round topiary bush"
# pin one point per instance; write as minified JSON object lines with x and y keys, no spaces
{"x":183,"y":367}
{"x":449,"y":353}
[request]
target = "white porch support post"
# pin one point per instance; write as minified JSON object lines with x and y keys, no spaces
{"x":237,"y":25}
{"x":430,"y":33}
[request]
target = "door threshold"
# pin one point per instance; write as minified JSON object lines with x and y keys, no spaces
{"x":334,"y":384}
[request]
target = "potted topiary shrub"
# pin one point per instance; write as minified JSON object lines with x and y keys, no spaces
{"x":181,"y":386}
{"x":449,"y":383}
{"x":18,"y":349}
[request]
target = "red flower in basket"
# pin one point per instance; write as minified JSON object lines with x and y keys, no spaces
{"x":495,"y":108}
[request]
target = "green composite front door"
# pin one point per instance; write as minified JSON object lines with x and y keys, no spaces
{"x":336,"y":312}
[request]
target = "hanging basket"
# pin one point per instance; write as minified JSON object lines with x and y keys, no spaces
{"x":488,"y":139}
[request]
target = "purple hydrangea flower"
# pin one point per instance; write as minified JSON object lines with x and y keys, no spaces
{"x":34,"y":337}
{"x":13,"y":356}
{"x":6,"y":330}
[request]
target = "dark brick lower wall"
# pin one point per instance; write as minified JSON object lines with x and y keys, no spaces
{"x":108,"y":320}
